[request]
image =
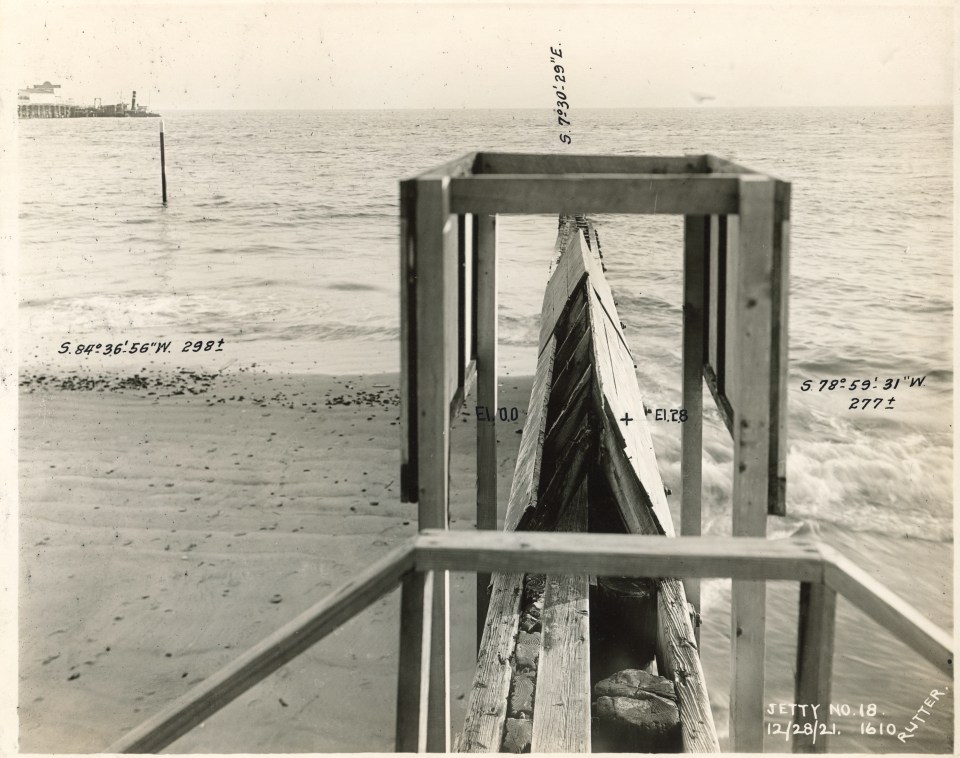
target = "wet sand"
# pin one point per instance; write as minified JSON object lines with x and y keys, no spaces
{"x":170,"y":520}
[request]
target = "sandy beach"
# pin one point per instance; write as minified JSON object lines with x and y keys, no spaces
{"x":171,"y":519}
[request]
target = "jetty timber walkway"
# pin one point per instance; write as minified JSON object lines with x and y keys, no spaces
{"x":582,"y":468}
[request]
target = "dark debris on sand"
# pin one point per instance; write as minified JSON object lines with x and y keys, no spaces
{"x":215,"y":386}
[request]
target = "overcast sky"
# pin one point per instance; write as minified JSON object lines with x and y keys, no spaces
{"x":452,"y":55}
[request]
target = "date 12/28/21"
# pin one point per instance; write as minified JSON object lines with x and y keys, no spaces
{"x":559,"y":90}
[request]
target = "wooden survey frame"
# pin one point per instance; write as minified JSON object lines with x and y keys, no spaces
{"x":735,"y":261}
{"x":822,"y":572}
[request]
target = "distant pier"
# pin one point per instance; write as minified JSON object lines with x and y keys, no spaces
{"x":43,"y":101}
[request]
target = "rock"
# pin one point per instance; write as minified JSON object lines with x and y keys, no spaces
{"x":635,"y":683}
{"x":648,"y":725}
{"x":517,"y":736}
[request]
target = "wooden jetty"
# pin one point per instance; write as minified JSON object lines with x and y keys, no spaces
{"x":586,"y":463}
{"x":554,"y":673}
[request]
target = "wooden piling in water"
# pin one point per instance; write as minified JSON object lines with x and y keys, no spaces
{"x":163,"y":166}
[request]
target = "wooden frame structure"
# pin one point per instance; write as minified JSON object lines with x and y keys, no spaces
{"x":736,"y":239}
{"x":822,"y":572}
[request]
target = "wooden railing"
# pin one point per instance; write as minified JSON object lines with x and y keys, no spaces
{"x":821,"y":571}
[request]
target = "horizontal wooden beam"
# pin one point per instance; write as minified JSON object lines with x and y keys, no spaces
{"x":888,"y":609}
{"x":701,"y":194}
{"x":718,"y":165}
{"x":199,"y":703}
{"x":618,"y":554}
{"x":461,"y":166}
{"x":554,"y":163}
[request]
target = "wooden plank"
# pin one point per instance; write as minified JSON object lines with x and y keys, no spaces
{"x":413,"y":676}
{"x":278,"y":649}
{"x":888,"y":609}
{"x":464,"y":296}
{"x":779,"y":359}
{"x":619,"y":555}
{"x":680,"y":655}
{"x":817,"y":619}
{"x":487,"y":703}
{"x":751,"y":442}
{"x":723,"y":406}
{"x":716,"y":165}
{"x":596,"y":193}
{"x":436,"y":383}
{"x":567,"y":272}
{"x":461,"y":166}
{"x":696,"y":244}
{"x":754,"y":380}
{"x":409,"y":490}
{"x":487,"y":707}
{"x":624,"y":421}
{"x":451,"y":292}
{"x":561,"y":715}
{"x":526,"y":474}
{"x":716,"y":298}
{"x":562,"y":163}
{"x":486,"y":252}
{"x":731,"y":353}
{"x":748,"y":620}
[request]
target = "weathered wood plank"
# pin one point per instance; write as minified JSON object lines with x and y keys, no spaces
{"x":487,"y":708}
{"x":487,"y":704}
{"x":888,"y":609}
{"x":599,"y":193}
{"x":619,"y":555}
{"x":680,"y":655}
{"x":624,"y":422}
{"x":486,"y":254}
{"x":567,"y":272}
{"x":436,"y":385}
{"x":409,"y":490}
{"x":561,"y":716}
{"x":751,"y":442}
{"x":413,"y":675}
{"x":461,"y":166}
{"x":526,"y":475}
{"x":696,"y":246}
{"x":716,"y":298}
{"x":561,"y":163}
{"x":464,"y":296}
{"x":716,"y":165}
{"x":779,"y":351}
{"x":817,"y":619}
{"x":238,"y":676}
{"x":731,"y":357}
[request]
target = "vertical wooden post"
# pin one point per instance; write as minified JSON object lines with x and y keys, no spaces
{"x":465,"y":311}
{"x":486,"y":252}
{"x":696,"y":241}
{"x":751,"y":442}
{"x":818,"y":606}
{"x":779,"y":351}
{"x":163,"y":166}
{"x":409,"y":428}
{"x":416,"y":600}
{"x":436,"y":306}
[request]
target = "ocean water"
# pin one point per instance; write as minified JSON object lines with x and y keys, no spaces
{"x":281,"y":237}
